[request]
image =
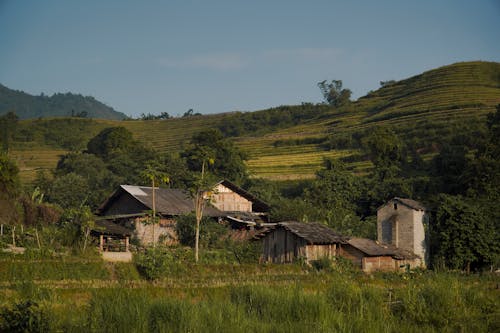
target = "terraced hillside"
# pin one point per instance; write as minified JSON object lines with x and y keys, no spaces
{"x":422,"y":109}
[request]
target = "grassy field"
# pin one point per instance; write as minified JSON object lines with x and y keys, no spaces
{"x":431,"y":106}
{"x":77,"y":295}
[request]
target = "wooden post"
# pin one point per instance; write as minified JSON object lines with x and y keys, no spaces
{"x":126,"y":243}
{"x":1,"y":229}
{"x":101,"y":242}
{"x":37,"y":239}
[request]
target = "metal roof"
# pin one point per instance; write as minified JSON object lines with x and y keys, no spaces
{"x":168,"y":201}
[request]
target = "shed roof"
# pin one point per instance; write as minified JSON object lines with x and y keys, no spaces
{"x":313,"y":233}
{"x":107,"y":227}
{"x":413,"y":204}
{"x":167,"y":201}
{"x":374,"y":249}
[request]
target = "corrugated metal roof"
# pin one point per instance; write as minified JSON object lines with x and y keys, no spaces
{"x":373,"y":249}
{"x":168,"y":201}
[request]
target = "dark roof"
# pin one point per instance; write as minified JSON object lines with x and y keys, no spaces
{"x":257,"y":204}
{"x":313,"y":233}
{"x":375,"y":249}
{"x":107,"y":227}
{"x":407,"y":202}
{"x":167,"y":201}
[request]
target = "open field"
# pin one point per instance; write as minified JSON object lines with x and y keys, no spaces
{"x":74,"y":295}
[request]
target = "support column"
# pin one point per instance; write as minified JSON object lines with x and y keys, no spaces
{"x":126,"y":243}
{"x":101,"y":242}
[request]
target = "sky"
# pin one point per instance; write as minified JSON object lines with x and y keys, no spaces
{"x":231,"y":55}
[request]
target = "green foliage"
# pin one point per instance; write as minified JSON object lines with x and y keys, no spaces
{"x":109,"y":141}
{"x":57,"y":105}
{"x":8,"y":126}
{"x":9,"y":177}
{"x":265,"y":121}
{"x":228,"y":161}
{"x":334,"y":94}
{"x":464,"y":236}
{"x":24,"y":317}
{"x":154,"y":263}
{"x":211,"y":232}
{"x":70,"y":190}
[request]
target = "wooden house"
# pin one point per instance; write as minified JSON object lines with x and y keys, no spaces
{"x":290,"y":241}
{"x":370,"y":256}
{"x":402,"y":223}
{"x":129,"y":206}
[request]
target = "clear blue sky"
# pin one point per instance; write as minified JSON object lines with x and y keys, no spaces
{"x":219,"y":56}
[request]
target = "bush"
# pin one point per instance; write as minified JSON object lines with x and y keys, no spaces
{"x":23,"y":317}
{"x":153,"y":263}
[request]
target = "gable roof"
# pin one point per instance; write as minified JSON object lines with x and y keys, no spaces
{"x":374,"y":249}
{"x":413,"y":204}
{"x":257,"y":204}
{"x":167,"y":201}
{"x":313,"y":233}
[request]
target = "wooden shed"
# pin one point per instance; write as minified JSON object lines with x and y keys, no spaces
{"x":371,"y":256}
{"x":290,"y":241}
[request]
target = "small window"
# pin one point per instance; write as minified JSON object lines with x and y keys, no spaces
{"x":395,"y":206}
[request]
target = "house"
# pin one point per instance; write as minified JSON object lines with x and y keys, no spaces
{"x":129,"y":205}
{"x":370,"y":256}
{"x":290,"y":241}
{"x":402,"y":224}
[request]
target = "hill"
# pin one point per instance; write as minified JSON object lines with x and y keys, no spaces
{"x":27,"y":106}
{"x":290,"y":142}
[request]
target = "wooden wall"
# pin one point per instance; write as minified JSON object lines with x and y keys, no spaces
{"x":282,"y":246}
{"x":227,"y":200}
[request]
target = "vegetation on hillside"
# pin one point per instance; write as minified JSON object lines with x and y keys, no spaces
{"x":27,"y":106}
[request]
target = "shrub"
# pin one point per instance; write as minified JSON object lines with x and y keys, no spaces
{"x":25,"y":316}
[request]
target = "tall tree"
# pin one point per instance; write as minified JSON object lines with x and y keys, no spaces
{"x":463,"y":235}
{"x":229,"y":161}
{"x":333,"y":93}
{"x":154,"y":174}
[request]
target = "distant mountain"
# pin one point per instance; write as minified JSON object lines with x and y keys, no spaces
{"x":27,"y":106}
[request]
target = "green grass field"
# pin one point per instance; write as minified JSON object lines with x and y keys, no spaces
{"x":78,"y":295}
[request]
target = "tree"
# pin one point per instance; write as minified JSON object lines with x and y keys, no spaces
{"x":69,"y":191}
{"x":464,"y":236}
{"x":200,"y":191}
{"x":334,"y":195}
{"x":8,"y":125}
{"x":155,"y":176}
{"x":9,"y":176}
{"x":334,"y":94}
{"x":109,"y":140}
{"x":228,"y":160}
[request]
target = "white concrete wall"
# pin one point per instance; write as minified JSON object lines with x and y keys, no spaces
{"x":404,"y":228}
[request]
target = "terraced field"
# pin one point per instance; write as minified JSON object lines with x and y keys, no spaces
{"x":450,"y":99}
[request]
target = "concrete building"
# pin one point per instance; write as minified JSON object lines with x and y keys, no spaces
{"x":403,"y":224}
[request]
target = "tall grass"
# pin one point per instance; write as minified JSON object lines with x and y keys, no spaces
{"x":430,"y":303}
